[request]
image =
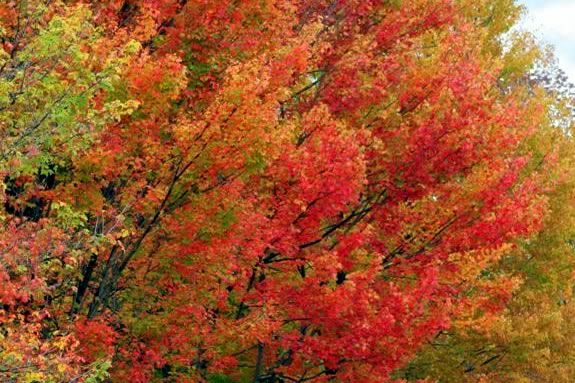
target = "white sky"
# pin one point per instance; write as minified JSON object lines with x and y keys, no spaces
{"x":553,"y":21}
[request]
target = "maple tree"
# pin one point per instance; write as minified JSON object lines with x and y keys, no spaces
{"x":264,"y":191}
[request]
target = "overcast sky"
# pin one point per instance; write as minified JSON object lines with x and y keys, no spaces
{"x":553,"y":21}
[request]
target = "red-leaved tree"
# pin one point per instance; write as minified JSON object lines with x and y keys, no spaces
{"x":255,"y":190}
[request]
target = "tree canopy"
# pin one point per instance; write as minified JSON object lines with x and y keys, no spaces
{"x":277,"y":191}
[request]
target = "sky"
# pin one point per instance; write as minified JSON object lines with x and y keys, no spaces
{"x":553,"y":21}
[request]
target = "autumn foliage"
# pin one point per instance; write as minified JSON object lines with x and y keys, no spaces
{"x":264,"y":190}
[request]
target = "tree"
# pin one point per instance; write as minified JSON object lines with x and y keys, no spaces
{"x":264,"y":191}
